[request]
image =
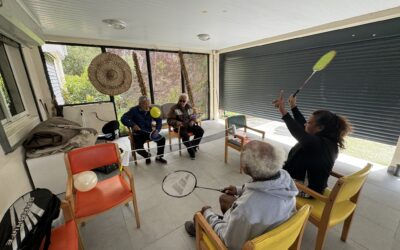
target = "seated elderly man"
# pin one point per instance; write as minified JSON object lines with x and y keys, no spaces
{"x":182,"y":115}
{"x":140,"y":120}
{"x":258,"y":206}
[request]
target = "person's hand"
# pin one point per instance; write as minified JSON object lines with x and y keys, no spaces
{"x":231,"y":190}
{"x":136,"y":128}
{"x":292,"y":101}
{"x":204,"y":209}
{"x":280,"y":104}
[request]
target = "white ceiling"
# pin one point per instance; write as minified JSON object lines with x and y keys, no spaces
{"x":175,"y":23}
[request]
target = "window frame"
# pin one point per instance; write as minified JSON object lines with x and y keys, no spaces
{"x":151,"y":92}
{"x":10,"y":141}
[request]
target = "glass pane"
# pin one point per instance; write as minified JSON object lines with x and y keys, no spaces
{"x":166,"y":74}
{"x":197,"y":69}
{"x":72,"y":75}
{"x":3,"y":97}
{"x":9,"y":90}
{"x":130,"y":98}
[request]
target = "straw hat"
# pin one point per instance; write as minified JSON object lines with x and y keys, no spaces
{"x":110,"y":74}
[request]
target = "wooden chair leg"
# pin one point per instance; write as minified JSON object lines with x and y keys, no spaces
{"x":226,"y":153}
{"x":170,"y":145}
{"x":134,"y":157}
{"x":319,"y":244}
{"x":346,"y":227}
{"x":136,"y":210}
{"x":80,"y":243}
{"x":180,"y":147}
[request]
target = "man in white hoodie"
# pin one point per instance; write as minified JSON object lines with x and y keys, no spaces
{"x":260,"y":205}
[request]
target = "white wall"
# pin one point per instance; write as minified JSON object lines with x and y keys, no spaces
{"x":13,"y":178}
{"x":38,"y":78}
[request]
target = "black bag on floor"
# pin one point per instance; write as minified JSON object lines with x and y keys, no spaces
{"x":28,"y":221}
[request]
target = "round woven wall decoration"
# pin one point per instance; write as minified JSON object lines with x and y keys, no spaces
{"x":110,"y":74}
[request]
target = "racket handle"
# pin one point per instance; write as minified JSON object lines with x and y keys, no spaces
{"x":295,"y":93}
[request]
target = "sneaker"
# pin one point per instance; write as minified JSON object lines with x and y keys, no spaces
{"x":148,"y":161}
{"x":192,"y":153}
{"x":190,"y":229}
{"x":161,"y":160}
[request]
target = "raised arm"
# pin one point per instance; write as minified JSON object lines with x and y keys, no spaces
{"x":298,"y":116}
{"x":295,"y":128}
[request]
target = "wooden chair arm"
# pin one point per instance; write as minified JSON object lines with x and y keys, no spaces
{"x":257,"y":130}
{"x":202,"y":226}
{"x":67,"y":211}
{"x":69,"y":193}
{"x":337,"y":175}
{"x":311,"y":192}
{"x":128,"y":173}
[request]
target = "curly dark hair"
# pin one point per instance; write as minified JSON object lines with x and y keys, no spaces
{"x":334,"y":126}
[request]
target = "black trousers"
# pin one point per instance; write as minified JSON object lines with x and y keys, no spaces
{"x":197,"y":132}
{"x":140,"y":139}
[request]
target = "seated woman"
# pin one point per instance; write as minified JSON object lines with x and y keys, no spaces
{"x":262,"y":204}
{"x":319,"y":140}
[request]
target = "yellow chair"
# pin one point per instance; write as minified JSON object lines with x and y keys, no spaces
{"x":240,"y":139}
{"x":288,"y":235}
{"x":336,"y":205}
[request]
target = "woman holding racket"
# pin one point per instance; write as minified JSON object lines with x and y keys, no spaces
{"x":140,"y":120}
{"x":319,"y":140}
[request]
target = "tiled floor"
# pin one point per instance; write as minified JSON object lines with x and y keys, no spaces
{"x":375,"y":226}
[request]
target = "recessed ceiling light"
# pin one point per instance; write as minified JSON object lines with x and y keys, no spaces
{"x":203,"y":37}
{"x":115,"y":23}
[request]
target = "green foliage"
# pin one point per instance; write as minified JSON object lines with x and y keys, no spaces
{"x":78,"y":89}
{"x":78,"y":59}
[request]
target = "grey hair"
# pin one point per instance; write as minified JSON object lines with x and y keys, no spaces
{"x":143,"y":98}
{"x":261,"y":159}
{"x":184,"y":95}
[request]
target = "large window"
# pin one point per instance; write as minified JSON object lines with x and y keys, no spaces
{"x":130,"y":98}
{"x":166,"y":74}
{"x":67,"y":68}
{"x":11,"y":102}
{"x":18,"y":112}
{"x":67,"y":73}
{"x":197,"y":68}
{"x":4,"y":98}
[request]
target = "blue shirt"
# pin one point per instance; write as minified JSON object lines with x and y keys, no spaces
{"x":141,"y":118}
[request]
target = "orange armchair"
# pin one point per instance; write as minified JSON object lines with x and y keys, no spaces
{"x":66,"y":237}
{"x":108,"y":193}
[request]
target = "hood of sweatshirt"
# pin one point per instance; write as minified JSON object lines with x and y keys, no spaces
{"x":282,"y":187}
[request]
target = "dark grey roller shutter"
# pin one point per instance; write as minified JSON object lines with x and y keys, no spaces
{"x":362,"y":82}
